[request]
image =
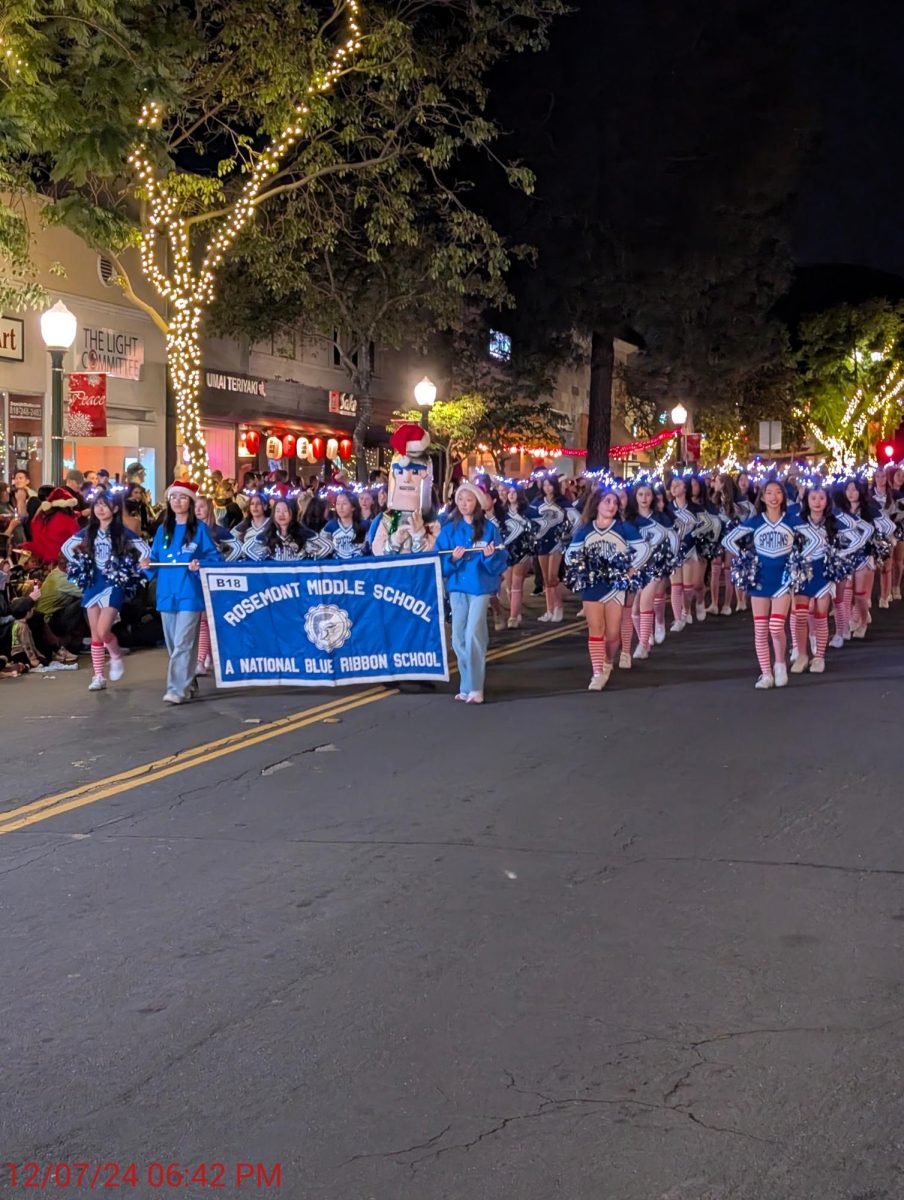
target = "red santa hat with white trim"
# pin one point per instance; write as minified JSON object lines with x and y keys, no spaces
{"x":182,"y":487}
{"x":410,"y":440}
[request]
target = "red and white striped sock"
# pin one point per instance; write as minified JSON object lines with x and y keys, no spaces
{"x":646,"y":627}
{"x":801,"y":629}
{"x":677,"y":601}
{"x":203,"y":640}
{"x":627,"y":630}
{"x":761,"y":643}
{"x":843,"y":609}
{"x":659,"y":608}
{"x":635,"y":621}
{"x":821,"y":633}
{"x":779,"y":638}
{"x":98,"y":658}
{"x":715,"y":578}
{"x":596,"y":648}
{"x":113,"y":647}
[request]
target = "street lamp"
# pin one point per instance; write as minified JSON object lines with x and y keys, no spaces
{"x":425,"y":395}
{"x":679,"y":414}
{"x":58,"y":326}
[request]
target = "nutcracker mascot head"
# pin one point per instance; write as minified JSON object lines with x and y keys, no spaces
{"x":409,"y":495}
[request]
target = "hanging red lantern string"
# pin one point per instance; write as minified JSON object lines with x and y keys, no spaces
{"x":345,"y":448}
{"x":289,"y":444}
{"x":318,"y":445}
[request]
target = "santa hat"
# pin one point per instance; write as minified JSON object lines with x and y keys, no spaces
{"x":182,"y":487}
{"x":484,"y":499}
{"x":410,"y":439}
{"x":59,"y":498}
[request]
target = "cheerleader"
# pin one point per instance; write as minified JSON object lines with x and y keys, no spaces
{"x":882,"y":499}
{"x":549,"y":514}
{"x":253,"y":529}
{"x":861,"y":517}
{"x":180,"y":599}
{"x":725,"y":498}
{"x":104,"y":545}
{"x":689,"y":571}
{"x":603,"y":602}
{"x":641,"y":513}
{"x":473,"y":563}
{"x":346,"y":533}
{"x":772,"y":532}
{"x":518,"y":539}
{"x":206,"y":514}
{"x":286,"y":538}
{"x":811,"y":599}
{"x":897,"y":515}
{"x":745,"y":501}
{"x":707,"y":542}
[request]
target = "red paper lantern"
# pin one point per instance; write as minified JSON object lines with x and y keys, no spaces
{"x":288,"y":445}
{"x":249,"y":443}
{"x":318,"y":446}
{"x":345,"y":448}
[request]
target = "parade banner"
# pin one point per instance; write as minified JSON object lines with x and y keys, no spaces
{"x":86,"y":411}
{"x":324,"y":624}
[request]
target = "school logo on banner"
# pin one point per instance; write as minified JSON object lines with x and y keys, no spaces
{"x":327,"y":623}
{"x":328,"y":627}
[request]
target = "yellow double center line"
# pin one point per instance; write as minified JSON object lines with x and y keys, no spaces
{"x":184,"y":760}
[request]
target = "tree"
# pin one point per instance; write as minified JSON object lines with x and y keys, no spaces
{"x":851,"y":363}
{"x":239,"y":107}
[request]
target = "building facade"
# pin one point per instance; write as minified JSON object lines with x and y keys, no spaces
{"x":113,"y":339}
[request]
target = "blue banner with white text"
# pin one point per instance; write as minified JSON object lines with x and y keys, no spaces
{"x":326,"y":623}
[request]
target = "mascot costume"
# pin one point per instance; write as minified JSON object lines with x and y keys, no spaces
{"x":404,"y":527}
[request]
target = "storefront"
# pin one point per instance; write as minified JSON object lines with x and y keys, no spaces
{"x":116,"y":367}
{"x":252,"y":423}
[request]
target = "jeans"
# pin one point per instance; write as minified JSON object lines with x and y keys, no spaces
{"x":180,"y":630}
{"x":470,"y":636}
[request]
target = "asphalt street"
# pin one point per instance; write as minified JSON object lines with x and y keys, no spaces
{"x":637,"y":945}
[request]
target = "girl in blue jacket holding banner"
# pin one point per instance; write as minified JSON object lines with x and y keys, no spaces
{"x":474,"y":560}
{"x":181,"y":539}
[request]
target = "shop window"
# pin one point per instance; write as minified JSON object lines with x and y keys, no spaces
{"x":221,"y":448}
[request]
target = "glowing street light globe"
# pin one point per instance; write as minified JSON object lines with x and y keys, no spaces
{"x":425,"y":393}
{"x":679,"y":414}
{"x":58,"y":327}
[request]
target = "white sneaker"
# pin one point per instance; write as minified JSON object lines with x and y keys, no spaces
{"x":742,"y":606}
{"x":659,"y":635}
{"x":514,"y":622}
{"x":677,"y":626}
{"x":557,"y":617}
{"x":764,"y":681}
{"x":883,"y":602}
{"x":726,"y":610}
{"x":797,"y":667}
{"x":624,"y":661}
{"x":702,"y":610}
{"x":781,"y":675}
{"x":794,"y":654}
{"x":97,"y":684}
{"x":474,"y":698}
{"x":498,"y":626}
{"x":172,"y":698}
{"x":860,"y":632}
{"x":598,"y":682}
{"x":896,"y":593}
{"x":117,"y":668}
{"x":641,"y":651}
{"x":837,"y":642}
{"x":817,"y":666}
{"x":547,"y":616}
{"x":812,"y":645}
{"x":713,"y":610}
{"x":688,"y":617}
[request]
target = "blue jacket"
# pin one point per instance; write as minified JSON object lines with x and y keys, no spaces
{"x":474,"y":573}
{"x":178,"y":589}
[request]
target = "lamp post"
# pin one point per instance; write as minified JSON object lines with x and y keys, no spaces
{"x":58,"y":326}
{"x":679,"y":418}
{"x":425,"y":395}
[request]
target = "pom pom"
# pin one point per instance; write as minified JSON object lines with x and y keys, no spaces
{"x":798,"y":569}
{"x":662,"y":562}
{"x":707,"y":547}
{"x":590,"y":566}
{"x":745,"y":567}
{"x":880,"y":546}
{"x":523,"y":546}
{"x":81,"y":571}
{"x":836,"y":567}
{"x":123,"y":571}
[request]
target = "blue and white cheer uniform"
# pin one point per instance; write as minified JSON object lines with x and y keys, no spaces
{"x":101,"y":593}
{"x":772,"y":544}
{"x":619,"y":538}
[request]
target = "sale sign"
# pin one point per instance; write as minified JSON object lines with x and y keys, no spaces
{"x":86,"y":412}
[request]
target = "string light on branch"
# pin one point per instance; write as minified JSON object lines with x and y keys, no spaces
{"x":188,"y":288}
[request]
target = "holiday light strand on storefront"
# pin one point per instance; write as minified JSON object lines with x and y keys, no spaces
{"x":622,"y":451}
{"x":189,"y":289}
